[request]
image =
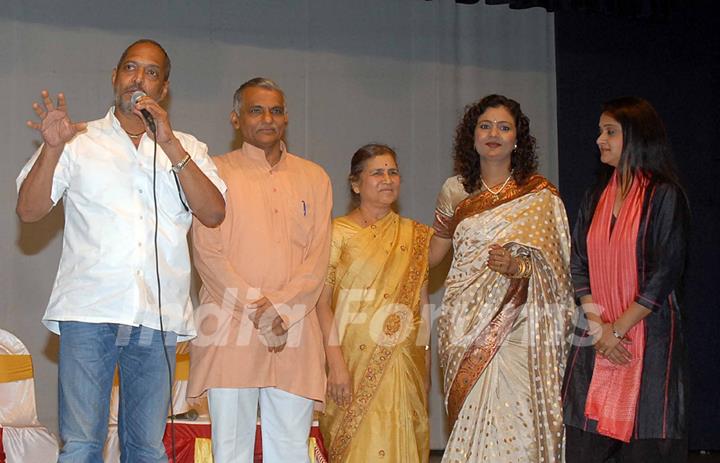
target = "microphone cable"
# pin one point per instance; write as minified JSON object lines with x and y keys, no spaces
{"x":159,"y":295}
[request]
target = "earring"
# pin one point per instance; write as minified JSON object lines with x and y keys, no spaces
{"x":515,"y":147}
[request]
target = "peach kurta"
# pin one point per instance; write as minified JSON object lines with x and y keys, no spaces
{"x":274,"y":242}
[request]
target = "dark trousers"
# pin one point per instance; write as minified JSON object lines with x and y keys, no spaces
{"x":588,"y":447}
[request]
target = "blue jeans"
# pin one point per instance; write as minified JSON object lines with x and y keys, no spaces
{"x":88,"y":355}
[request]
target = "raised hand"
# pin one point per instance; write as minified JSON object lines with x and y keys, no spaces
{"x":55,"y":126}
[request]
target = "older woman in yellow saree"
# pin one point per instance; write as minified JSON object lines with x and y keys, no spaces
{"x":372,"y":314}
{"x":508,"y":298}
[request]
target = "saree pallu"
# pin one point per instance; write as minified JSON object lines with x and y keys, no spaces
{"x":377,"y":274}
{"x":503,"y":341}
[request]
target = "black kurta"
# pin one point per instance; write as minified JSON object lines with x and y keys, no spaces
{"x":661,"y":246}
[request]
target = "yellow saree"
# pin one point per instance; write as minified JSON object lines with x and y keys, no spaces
{"x":377,"y":274}
{"x":502,"y":341}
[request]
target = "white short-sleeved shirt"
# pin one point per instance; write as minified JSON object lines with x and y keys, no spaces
{"x":107,"y":267}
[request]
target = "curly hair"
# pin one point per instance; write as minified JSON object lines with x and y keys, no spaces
{"x":523,"y":161}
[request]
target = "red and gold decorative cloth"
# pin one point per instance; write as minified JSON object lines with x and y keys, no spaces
{"x":193,"y":444}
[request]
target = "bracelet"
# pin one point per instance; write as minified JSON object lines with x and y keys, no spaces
{"x":615,"y":333}
{"x":181,"y":165}
{"x":524,"y":268}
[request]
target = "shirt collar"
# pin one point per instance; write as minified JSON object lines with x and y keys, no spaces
{"x":110,"y":123}
{"x":257,"y":155}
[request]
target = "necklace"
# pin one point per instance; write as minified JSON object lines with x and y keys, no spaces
{"x":134,"y":135}
{"x":371,"y":221}
{"x":496,"y":193}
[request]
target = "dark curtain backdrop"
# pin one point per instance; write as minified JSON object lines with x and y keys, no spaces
{"x":672,"y":63}
{"x":627,"y":8}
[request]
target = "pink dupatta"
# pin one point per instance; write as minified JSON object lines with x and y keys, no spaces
{"x":612,"y":255}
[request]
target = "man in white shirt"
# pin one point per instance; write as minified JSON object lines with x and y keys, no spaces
{"x":121,"y":294}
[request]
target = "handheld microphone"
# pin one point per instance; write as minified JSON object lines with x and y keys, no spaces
{"x":146,"y":114}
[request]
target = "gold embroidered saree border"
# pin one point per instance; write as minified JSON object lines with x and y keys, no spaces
{"x":381,"y":356}
{"x":484,"y":200}
{"x":478,"y":356}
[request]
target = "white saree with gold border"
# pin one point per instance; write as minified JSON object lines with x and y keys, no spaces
{"x":502,"y":341}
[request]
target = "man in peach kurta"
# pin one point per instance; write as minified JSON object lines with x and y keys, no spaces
{"x":259,"y":342}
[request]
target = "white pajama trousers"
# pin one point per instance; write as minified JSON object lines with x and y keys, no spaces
{"x":285,"y":421}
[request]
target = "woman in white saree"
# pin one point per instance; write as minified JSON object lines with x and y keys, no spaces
{"x":508,"y":299}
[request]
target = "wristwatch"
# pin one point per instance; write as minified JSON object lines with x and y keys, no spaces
{"x":181,"y":165}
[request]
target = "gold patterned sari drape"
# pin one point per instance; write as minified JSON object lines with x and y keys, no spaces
{"x":502,"y":341}
{"x":377,"y":274}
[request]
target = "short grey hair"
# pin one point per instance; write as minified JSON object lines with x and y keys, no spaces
{"x":260,"y":82}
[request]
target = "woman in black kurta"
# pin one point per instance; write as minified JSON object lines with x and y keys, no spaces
{"x":659,"y":427}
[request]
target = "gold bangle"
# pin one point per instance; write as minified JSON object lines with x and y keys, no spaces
{"x":524,"y":268}
{"x":528,"y":268}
